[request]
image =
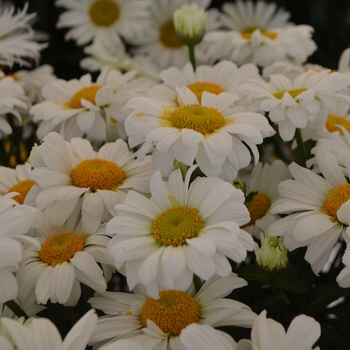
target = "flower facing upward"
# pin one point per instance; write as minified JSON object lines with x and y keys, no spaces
{"x":103,"y":19}
{"x":210,"y":132}
{"x":85,"y":180}
{"x":158,"y":322}
{"x":317,"y":208}
{"x":189,"y":23}
{"x":180,"y":231}
{"x":66,"y":256}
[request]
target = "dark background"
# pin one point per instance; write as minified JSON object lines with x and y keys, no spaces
{"x":329,"y":18}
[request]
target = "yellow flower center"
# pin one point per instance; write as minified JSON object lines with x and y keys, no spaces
{"x":87,"y":93}
{"x":258,"y":207}
{"x":167,"y":35}
{"x":336,"y":197}
{"x":199,"y":118}
{"x":22,"y":188}
{"x":60,"y":248}
{"x":333,"y":121}
{"x":172,"y":312}
{"x":175,"y":225}
{"x":248,"y":32}
{"x":104,"y":12}
{"x":13,"y":76}
{"x":97,"y":174}
{"x":293,"y":93}
{"x":199,"y":87}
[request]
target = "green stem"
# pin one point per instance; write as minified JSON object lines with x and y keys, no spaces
{"x":276,"y":306}
{"x":192,"y":55}
{"x":301,"y":147}
{"x":197,"y":282}
{"x":16,"y":309}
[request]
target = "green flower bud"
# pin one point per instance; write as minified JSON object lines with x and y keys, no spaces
{"x":272,"y":256}
{"x":190,"y":22}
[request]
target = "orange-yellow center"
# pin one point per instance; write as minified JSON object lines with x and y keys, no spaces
{"x":167,"y":35}
{"x":172,"y":312}
{"x":97,"y":174}
{"x":175,"y":225}
{"x":248,"y":32}
{"x":258,"y":207}
{"x":199,"y":87}
{"x":333,"y":121}
{"x":104,"y":12}
{"x":336,"y":197}
{"x":87,"y":93}
{"x":202,"y":119}
{"x":60,"y":248}
{"x":293,"y":93}
{"x":23,"y":187}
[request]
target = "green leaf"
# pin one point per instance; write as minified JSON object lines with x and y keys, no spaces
{"x":290,"y":283}
{"x":254,"y":273}
{"x":325,"y":294}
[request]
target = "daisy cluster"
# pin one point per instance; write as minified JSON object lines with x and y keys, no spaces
{"x":195,"y":179}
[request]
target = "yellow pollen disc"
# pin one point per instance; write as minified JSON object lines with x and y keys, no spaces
{"x":257,"y":207}
{"x":104,"y":12}
{"x":97,"y":174}
{"x":87,"y":93}
{"x":199,"y":87}
{"x":333,"y":121}
{"x":336,"y":197}
{"x":22,"y":188}
{"x":175,"y":225}
{"x":60,"y":248}
{"x":248,"y":32}
{"x":172,"y":312}
{"x":293,"y":93}
{"x":167,"y":35}
{"x":199,"y":118}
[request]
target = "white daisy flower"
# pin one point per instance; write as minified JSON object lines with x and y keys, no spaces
{"x":76,"y":108}
{"x":182,"y":230}
{"x":34,"y":80}
{"x":109,"y":20}
{"x":15,"y":221}
{"x":210,"y":132}
{"x":260,"y":34}
{"x":42,"y":334}
{"x":158,"y":322}
{"x":264,"y":180}
{"x":72,"y":175}
{"x":66,"y":256}
{"x":268,"y":334}
{"x":315,"y":206}
{"x":159,"y":42}
{"x":343,"y":278}
{"x":16,"y":180}
{"x":17,"y":43}
{"x":202,"y":336}
{"x":291,"y":103}
{"x":12,"y":101}
{"x":102,"y":54}
{"x":224,"y":76}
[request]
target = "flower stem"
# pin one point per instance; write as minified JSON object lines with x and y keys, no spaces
{"x":301,"y":147}
{"x":276,"y":306}
{"x":16,"y":309}
{"x":192,"y":56}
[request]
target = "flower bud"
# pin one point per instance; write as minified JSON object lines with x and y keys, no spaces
{"x":272,"y":256}
{"x":190,"y":22}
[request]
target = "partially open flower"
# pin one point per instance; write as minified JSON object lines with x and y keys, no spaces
{"x":272,"y":256}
